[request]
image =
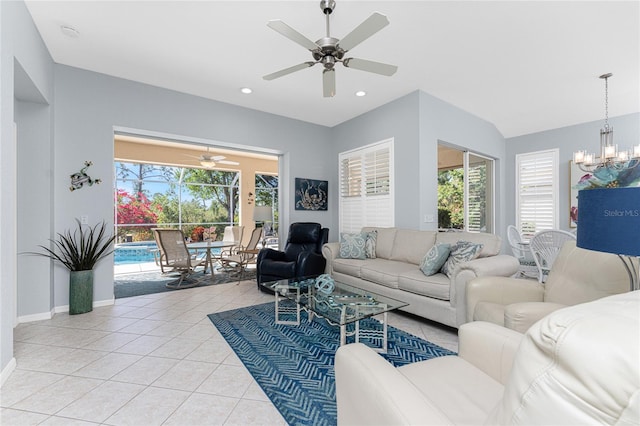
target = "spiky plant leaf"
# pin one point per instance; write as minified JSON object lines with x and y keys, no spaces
{"x":80,"y":250}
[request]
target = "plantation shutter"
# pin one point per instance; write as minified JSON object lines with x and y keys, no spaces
{"x":476,"y":195}
{"x":366,"y":187}
{"x":537,"y":191}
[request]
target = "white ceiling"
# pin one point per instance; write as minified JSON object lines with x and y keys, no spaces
{"x":523,"y":66}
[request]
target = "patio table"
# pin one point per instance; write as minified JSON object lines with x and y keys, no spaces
{"x":208,"y":245}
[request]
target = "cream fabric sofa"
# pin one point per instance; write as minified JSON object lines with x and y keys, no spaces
{"x":577,"y":276}
{"x":577,"y":366}
{"x":395,"y":273}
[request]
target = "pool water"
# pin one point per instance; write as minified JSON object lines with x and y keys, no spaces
{"x":139,"y":252}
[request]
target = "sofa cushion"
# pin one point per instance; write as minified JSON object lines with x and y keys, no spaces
{"x":462,"y":251}
{"x":411,"y":245}
{"x":464,"y":393}
{"x":352,"y":246}
{"x":384,"y":272}
{"x":436,"y":286}
{"x":348,"y":266}
{"x":492,"y":243}
{"x":384,"y":240}
{"x":435,"y":258}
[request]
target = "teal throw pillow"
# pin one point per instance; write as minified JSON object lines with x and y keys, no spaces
{"x":352,"y":246}
{"x":462,"y":251}
{"x":435,"y":258}
{"x":370,"y":244}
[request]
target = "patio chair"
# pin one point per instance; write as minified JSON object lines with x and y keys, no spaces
{"x":245,"y":255}
{"x":175,"y":256}
{"x":545,"y":246}
{"x":232,"y":234}
{"x":522,"y":252}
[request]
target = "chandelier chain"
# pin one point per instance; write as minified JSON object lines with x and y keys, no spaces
{"x":606,"y":102}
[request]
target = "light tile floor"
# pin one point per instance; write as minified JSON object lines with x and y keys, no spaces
{"x":148,"y":360}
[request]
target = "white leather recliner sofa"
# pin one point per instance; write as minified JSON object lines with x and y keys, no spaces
{"x":579,"y":365}
{"x":577,"y":276}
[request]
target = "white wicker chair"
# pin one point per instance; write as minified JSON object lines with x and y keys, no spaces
{"x":528,"y":267}
{"x":545,"y":246}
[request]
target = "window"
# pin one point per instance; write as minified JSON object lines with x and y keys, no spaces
{"x":536,"y":191}
{"x":366,"y":187}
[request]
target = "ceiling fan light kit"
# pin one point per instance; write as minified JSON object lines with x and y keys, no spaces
{"x":329,"y":50}
{"x":209,"y":161}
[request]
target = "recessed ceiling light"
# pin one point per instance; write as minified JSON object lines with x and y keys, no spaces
{"x":246,"y":90}
{"x":361,"y":93}
{"x":69,"y":31}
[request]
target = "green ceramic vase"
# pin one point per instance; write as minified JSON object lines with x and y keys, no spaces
{"x":80,"y":292}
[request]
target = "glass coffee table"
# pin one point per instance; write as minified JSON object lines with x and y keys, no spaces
{"x":345,"y":305}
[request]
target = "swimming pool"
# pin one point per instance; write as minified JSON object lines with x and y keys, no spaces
{"x":138,"y":252}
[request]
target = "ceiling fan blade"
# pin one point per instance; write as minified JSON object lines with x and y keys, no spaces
{"x":289,"y":70}
{"x":232,"y":163}
{"x":193,"y":156}
{"x":329,"y":83}
{"x":291,"y":34}
{"x":370,"y":66}
{"x":366,"y":29}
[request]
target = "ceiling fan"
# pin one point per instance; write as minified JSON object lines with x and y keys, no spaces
{"x":209,"y":161}
{"x":329,"y":50}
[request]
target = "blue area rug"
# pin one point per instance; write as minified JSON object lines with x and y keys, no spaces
{"x":294,"y":364}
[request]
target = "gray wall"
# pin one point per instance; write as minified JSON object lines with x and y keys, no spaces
{"x":568,"y":139}
{"x":88,"y":106}
{"x":398,"y":120}
{"x":418,"y":122}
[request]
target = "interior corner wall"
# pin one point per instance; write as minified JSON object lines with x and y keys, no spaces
{"x":418,"y":122}
{"x":443,"y":122}
{"x":568,"y":140}
{"x":89,"y":105}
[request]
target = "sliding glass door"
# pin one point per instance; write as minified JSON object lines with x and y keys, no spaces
{"x":465,"y":190}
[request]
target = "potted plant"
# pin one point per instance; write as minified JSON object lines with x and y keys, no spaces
{"x":79,"y":252}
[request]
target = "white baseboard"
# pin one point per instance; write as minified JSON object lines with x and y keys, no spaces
{"x":107,"y":302}
{"x":6,"y":372}
{"x":58,"y":310}
{"x":61,"y":309}
{"x":35,"y":317}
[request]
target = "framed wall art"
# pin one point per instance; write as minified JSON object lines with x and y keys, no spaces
{"x":311,"y":194}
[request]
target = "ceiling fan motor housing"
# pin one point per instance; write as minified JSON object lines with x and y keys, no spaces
{"x":327,"y":6}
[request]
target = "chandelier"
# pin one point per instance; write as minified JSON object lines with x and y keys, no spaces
{"x":610,"y":158}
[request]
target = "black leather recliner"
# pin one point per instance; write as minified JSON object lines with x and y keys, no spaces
{"x":302,"y":255}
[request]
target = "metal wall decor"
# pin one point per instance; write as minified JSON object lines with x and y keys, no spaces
{"x":80,"y":178}
{"x":311,"y":194}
